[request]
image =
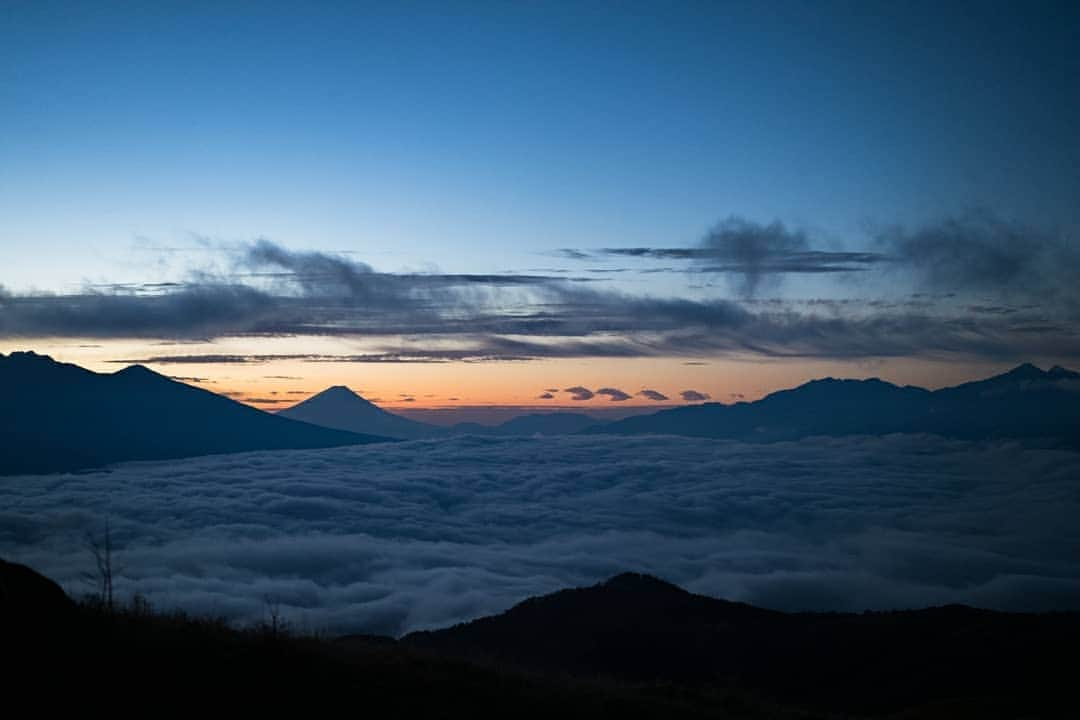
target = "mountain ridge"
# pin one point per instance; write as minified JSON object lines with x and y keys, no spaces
{"x":70,"y":418}
{"x":1022,"y":403}
{"x":1025,"y":403}
{"x":342,"y":408}
{"x":639,"y":629}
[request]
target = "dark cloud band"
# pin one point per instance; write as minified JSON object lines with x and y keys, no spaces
{"x":515,"y":317}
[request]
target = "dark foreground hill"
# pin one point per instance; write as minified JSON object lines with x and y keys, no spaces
{"x":642,"y":631}
{"x":60,"y":656}
{"x":633,"y":647}
{"x":60,"y":417}
{"x":1024,"y":403}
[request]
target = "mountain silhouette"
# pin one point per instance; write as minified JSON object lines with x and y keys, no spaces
{"x":638,"y":629}
{"x":343,"y":409}
{"x":63,"y":417}
{"x":1025,"y":402}
{"x":549,"y":423}
{"x":340,"y":408}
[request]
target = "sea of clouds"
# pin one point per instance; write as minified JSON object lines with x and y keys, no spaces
{"x":398,"y":537}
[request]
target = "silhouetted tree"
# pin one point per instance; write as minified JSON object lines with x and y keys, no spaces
{"x":274,"y":625}
{"x":102,"y":577}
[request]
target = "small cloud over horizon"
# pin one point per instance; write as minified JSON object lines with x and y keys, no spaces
{"x":613,"y":394}
{"x":580,"y":393}
{"x":694,"y":396}
{"x":653,"y":395}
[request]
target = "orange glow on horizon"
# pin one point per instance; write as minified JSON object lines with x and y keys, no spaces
{"x":279,"y":383}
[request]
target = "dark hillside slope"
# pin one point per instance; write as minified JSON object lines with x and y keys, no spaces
{"x":641,"y":630}
{"x":632,"y":647}
{"x":58,"y":417}
{"x":135,"y":663}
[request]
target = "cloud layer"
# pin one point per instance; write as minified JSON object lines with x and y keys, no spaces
{"x":754,"y":253}
{"x":972,"y":286}
{"x":415,"y":535}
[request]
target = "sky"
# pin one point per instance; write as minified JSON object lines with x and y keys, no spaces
{"x":489,"y":203}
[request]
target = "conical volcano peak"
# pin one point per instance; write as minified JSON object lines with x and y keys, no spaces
{"x":339,"y":394}
{"x":342,"y":408}
{"x":342,"y":390}
{"x":137,"y":371}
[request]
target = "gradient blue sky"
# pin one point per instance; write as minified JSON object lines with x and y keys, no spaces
{"x":138,"y":139}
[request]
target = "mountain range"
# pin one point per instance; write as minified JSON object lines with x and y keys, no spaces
{"x":341,"y":408}
{"x":60,"y":417}
{"x":1025,"y":402}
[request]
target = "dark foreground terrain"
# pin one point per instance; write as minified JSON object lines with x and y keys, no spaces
{"x":631,"y":647}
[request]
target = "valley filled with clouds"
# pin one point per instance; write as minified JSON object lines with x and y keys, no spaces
{"x":404,"y":536}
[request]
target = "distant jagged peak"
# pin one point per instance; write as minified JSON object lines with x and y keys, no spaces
{"x":1024,"y":371}
{"x":1057,"y":372}
{"x":849,"y":382}
{"x":29,"y":364}
{"x":27,"y":356}
{"x":1029,"y":373}
{"x":831,"y":384}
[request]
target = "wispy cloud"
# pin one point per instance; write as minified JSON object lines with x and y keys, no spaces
{"x":981,"y":252}
{"x":422,"y":318}
{"x":421,"y":356}
{"x":753,"y":252}
{"x":972,"y":252}
{"x":191,"y":379}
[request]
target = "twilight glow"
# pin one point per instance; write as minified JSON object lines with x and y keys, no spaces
{"x":558,"y":206}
